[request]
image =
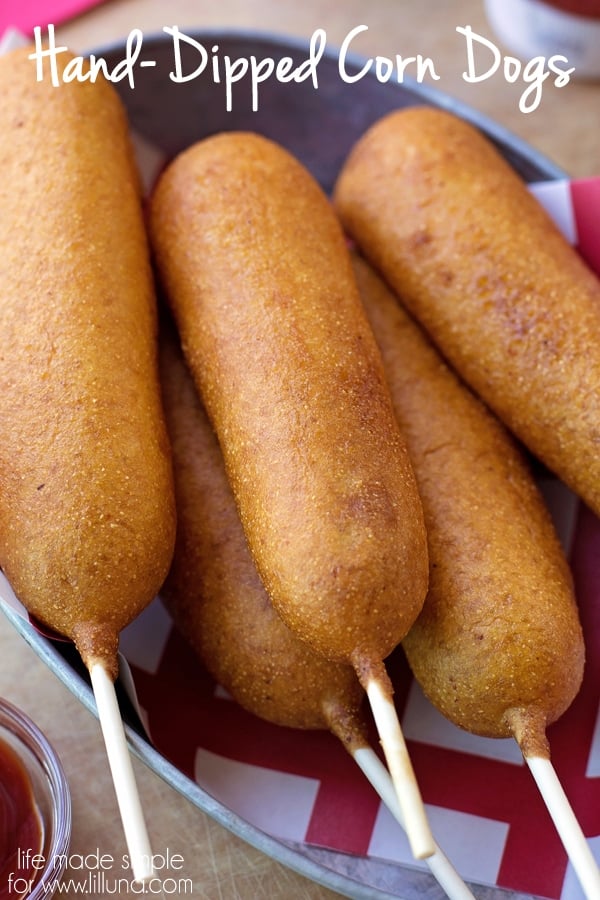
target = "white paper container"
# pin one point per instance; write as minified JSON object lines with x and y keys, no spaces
{"x":531,"y":28}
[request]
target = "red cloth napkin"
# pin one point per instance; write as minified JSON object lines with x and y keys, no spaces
{"x":26,"y":14}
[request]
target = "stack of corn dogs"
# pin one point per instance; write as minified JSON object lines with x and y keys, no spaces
{"x":323,"y":451}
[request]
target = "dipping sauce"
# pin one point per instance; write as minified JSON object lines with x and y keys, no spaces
{"x":21,"y":829}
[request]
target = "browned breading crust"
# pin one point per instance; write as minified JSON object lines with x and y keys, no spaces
{"x":499,"y":637}
{"x":479,"y":263}
{"x":86,"y":502}
{"x":214,"y":591}
{"x":256,"y":269}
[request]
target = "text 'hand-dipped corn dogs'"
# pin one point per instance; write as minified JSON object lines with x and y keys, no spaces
{"x":220,"y":605}
{"x":258,"y":275}
{"x":498,"y":646}
{"x":87,"y":515}
{"x":456,"y":233}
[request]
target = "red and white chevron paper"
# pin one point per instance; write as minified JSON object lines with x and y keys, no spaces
{"x":484,"y":807}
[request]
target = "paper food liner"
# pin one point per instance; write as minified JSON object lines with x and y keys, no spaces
{"x":300,"y":786}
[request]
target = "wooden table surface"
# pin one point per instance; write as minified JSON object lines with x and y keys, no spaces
{"x":565,"y":126}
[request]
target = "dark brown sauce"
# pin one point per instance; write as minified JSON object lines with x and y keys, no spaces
{"x":21,"y":832}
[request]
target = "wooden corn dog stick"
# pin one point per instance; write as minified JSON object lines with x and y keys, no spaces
{"x":439,"y":864}
{"x":132,"y":816}
{"x":569,"y":829}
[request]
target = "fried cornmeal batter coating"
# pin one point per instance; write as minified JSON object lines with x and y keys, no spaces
{"x":498,"y":641}
{"x":456,"y":233}
{"x":86,"y":500}
{"x":215,"y":594}
{"x":257,"y":272}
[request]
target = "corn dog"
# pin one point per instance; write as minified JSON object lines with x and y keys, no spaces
{"x":216,"y":597}
{"x":259,"y":278}
{"x":510,"y":304}
{"x":86,"y":501}
{"x":271,"y":323}
{"x":498,"y":646}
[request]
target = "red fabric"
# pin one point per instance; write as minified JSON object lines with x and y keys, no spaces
{"x":26,"y":14}
{"x":585,"y":196}
{"x":589,"y":9}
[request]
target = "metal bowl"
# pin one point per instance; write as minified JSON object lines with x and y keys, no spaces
{"x":319,"y":126}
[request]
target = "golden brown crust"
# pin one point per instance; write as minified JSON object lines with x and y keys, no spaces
{"x":97,"y":644}
{"x":259,"y":277}
{"x":217,"y":598}
{"x":499,"y":630}
{"x":478,"y":262}
{"x":528,"y":727}
{"x":86,"y":506}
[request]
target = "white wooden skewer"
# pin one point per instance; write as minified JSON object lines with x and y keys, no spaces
{"x":439,"y":864}
{"x":132,"y":817}
{"x":401,"y":770}
{"x":569,"y":829}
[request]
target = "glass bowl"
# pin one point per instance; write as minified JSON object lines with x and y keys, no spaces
{"x":50,"y":798}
